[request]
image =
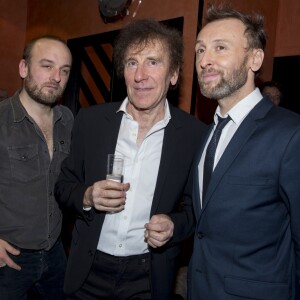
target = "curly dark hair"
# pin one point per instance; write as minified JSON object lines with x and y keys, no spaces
{"x":141,"y":33}
{"x":254,"y":23}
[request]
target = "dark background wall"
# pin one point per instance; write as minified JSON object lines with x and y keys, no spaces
{"x":21,"y":20}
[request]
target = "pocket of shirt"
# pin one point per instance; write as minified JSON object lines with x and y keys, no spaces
{"x":24,"y":162}
{"x":64,"y":150}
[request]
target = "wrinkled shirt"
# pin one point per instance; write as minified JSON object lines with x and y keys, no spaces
{"x":30,"y":217}
{"x":122,"y":233}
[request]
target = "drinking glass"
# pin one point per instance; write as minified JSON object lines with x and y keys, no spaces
{"x":115,"y":166}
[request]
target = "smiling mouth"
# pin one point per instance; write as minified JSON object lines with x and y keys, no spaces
{"x":209,"y":76}
{"x":142,"y":90}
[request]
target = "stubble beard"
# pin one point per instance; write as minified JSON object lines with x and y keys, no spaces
{"x":36,"y":93}
{"x":226,"y":86}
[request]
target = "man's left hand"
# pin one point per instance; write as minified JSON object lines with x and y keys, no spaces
{"x":159,"y":230}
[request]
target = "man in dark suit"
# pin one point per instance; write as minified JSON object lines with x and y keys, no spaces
{"x":247,"y":238}
{"x":126,"y":236}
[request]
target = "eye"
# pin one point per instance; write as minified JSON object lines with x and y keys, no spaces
{"x":200,"y":51}
{"x":220,"y":48}
{"x":66,"y":71}
{"x":131,"y":63}
{"x":47,"y":67}
{"x":153,"y":62}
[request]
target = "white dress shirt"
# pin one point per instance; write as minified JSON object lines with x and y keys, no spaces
{"x":122,"y":233}
{"x":237,"y":114}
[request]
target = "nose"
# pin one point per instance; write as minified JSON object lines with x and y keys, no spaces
{"x":206,"y":59}
{"x":140,"y":73}
{"x":55,"y":75}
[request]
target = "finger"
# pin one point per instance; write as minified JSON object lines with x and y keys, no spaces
{"x":7,"y":261}
{"x":113,"y":185}
{"x":154,"y":243}
{"x":108,"y":194}
{"x":157,"y":236}
{"x":10,"y":263}
{"x":159,"y":227}
{"x":12,"y":250}
{"x":110,"y":209}
{"x":110,"y":203}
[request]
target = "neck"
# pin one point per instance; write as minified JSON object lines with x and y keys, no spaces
{"x":227,"y":103}
{"x":34,"y":109}
{"x":147,"y":118}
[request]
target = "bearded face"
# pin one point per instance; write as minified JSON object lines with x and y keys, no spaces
{"x":44,"y":93}
{"x":228,"y":83}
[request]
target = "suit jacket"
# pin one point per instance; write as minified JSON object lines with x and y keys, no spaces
{"x":247,"y":237}
{"x":95,"y":135}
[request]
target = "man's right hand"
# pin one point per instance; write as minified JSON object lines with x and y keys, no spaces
{"x":106,"y":195}
{"x":5,"y":260}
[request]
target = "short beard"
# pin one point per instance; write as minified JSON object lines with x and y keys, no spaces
{"x":36,"y":94}
{"x":227,"y":86}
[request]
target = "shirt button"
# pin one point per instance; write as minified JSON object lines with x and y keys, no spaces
{"x":50,"y":193}
{"x":120,"y":246}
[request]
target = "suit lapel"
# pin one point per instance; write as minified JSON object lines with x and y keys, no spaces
{"x":114,"y":122}
{"x":238,"y":141}
{"x":167,"y":156}
{"x":196,"y":191}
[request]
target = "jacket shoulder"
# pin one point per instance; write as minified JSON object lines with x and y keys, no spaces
{"x":96,"y":110}
{"x":187,"y":119}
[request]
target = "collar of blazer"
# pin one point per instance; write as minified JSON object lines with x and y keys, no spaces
{"x":238,"y":141}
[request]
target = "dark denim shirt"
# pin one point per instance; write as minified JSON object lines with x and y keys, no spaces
{"x":29,"y":215}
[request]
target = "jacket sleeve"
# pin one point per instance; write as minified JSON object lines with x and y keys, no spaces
{"x":70,"y":186}
{"x":184,"y":221}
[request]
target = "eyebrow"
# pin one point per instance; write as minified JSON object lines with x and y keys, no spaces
{"x":214,"y":41}
{"x":45,"y":60}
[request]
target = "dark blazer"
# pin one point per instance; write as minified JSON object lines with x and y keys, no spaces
{"x":247,"y":238}
{"x":95,"y":135}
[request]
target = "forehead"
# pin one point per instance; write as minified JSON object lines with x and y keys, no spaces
{"x":226,"y":29}
{"x":151,"y":47}
{"x":51,"y":50}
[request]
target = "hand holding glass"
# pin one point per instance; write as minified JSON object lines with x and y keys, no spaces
{"x":115,"y":165}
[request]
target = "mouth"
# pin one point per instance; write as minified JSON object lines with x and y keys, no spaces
{"x":142,"y":90}
{"x":51,"y":86}
{"x":209,"y":76}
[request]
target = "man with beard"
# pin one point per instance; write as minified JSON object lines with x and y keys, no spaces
{"x":246,"y":187}
{"x":34,"y":140}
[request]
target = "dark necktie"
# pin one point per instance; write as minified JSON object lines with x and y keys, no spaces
{"x":210,"y":153}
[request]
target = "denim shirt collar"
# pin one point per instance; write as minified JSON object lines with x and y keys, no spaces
{"x":19,"y":111}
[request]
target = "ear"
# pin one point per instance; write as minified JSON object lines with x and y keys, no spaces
{"x":174,"y":77}
{"x":257,"y":59}
{"x":23,"y":68}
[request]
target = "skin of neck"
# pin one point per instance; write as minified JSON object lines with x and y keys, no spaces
{"x":148,"y":117}
{"x":227,"y":103}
